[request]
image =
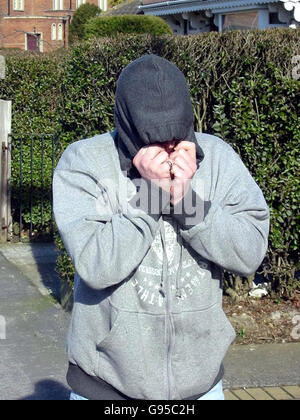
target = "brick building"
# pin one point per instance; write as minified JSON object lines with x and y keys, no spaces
{"x":38,"y":25}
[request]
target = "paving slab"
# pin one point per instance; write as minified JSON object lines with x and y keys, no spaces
{"x":32,"y":346}
{"x":278,"y":393}
{"x":242,"y":395}
{"x":229,"y":396}
{"x":294,"y":391}
{"x":259,"y":394}
{"x":263,"y":394}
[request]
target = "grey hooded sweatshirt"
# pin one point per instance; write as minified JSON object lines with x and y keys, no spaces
{"x":147,"y":317}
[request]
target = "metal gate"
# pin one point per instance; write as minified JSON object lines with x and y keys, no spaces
{"x":33,"y":158}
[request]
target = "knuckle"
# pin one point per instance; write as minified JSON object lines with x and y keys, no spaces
{"x":144,"y":165}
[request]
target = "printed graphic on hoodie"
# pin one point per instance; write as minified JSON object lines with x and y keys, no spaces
{"x":147,"y":280}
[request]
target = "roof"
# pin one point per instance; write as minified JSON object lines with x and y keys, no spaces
{"x":180,"y":6}
{"x":128,"y":7}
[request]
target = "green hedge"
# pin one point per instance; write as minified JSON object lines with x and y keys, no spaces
{"x":242,"y":90}
{"x":81,"y":16}
{"x":126,"y":24}
{"x":32,"y":83}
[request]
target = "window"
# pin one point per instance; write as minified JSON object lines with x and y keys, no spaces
{"x":79,"y":3}
{"x":103,"y":5}
{"x":241,"y":21}
{"x":18,"y":5}
{"x":60,"y":32}
{"x":53,"y":32}
{"x":58,"y":4}
{"x":274,"y":19}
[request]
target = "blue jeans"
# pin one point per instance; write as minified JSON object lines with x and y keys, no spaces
{"x":215,"y":394}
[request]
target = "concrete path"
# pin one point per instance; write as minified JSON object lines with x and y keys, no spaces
{"x":37,"y":262}
{"x":32,"y":340}
{"x":262,"y":365}
{"x":33,"y":330}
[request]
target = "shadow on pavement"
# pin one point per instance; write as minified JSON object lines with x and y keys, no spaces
{"x":45,"y":255}
{"x":49,"y":390}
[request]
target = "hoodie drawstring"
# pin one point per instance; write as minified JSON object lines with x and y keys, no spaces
{"x":179,"y":271}
{"x":165,"y":261}
{"x":165,"y":258}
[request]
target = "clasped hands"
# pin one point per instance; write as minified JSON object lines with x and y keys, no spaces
{"x":169,"y":165}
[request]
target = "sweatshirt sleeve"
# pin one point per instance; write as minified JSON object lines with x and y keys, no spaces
{"x":234,"y":230}
{"x":105,"y":246}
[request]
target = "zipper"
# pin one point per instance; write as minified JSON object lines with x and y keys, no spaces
{"x":169,"y":323}
{"x":169,"y":331}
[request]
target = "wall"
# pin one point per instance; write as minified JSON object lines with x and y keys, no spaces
{"x":37,"y":17}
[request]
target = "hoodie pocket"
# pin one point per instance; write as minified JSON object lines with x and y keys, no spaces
{"x":202,"y":339}
{"x":109,"y":337}
{"x":132,"y":355}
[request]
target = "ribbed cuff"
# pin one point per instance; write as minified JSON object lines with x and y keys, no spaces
{"x":189,"y":212}
{"x":150,"y":198}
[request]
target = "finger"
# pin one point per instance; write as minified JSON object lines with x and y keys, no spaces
{"x":146,"y":154}
{"x":183,"y":164}
{"x":161,"y":158}
{"x":153,"y":151}
{"x":143,"y":150}
{"x":160,"y":166}
{"x":178,"y":172}
{"x":188,"y":146}
{"x":139,"y":155}
{"x":148,"y":151}
{"x":163,"y":171}
{"x":182,"y":154}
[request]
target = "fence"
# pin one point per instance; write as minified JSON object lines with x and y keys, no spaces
{"x":27,"y":166}
{"x":33,"y":161}
{"x":5,"y":172}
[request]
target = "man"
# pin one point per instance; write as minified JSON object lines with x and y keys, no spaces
{"x":151,"y":214}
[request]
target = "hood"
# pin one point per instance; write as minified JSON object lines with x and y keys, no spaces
{"x":152,"y":105}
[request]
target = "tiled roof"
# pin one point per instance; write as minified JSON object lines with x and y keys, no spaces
{"x":170,"y":7}
{"x":129,"y":7}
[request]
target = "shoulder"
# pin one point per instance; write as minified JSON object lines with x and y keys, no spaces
{"x":211,"y":143}
{"x":95,"y":143}
{"x":95,"y":149}
{"x":215,"y":149}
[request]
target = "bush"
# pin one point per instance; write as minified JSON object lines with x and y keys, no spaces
{"x":32,"y":83}
{"x":80,"y":17}
{"x":241,"y":88}
{"x":126,"y":24}
{"x":113,"y":3}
